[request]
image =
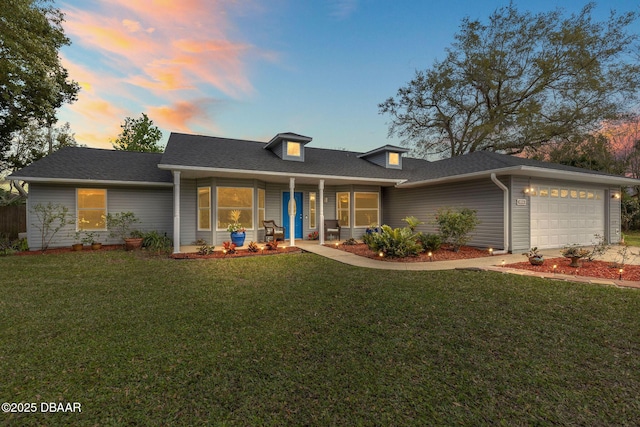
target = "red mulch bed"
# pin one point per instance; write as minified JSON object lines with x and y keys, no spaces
{"x":86,"y":248}
{"x":600,"y":269}
{"x":239,"y":253}
{"x":442,"y":254}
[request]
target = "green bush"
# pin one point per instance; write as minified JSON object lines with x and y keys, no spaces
{"x":455,"y":226}
{"x":157,"y":242}
{"x":393,"y":242}
{"x":430,"y":242}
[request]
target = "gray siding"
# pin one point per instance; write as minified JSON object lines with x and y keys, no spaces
{"x":423,"y":203}
{"x":614,"y":216}
{"x":153,"y":206}
{"x":188,"y":214}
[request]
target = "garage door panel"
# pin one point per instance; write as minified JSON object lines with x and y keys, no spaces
{"x":559,"y":221}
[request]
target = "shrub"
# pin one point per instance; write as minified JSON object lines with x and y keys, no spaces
{"x":412,"y":222}
{"x":394,"y":242}
{"x":430,"y":242}
{"x":50,"y":220}
{"x":455,"y":226}
{"x":9,"y":246}
{"x":205,"y":248}
{"x":350,"y":242}
{"x":119,"y":224}
{"x":157,"y":242}
{"x":253,"y":247}
{"x":229,"y":247}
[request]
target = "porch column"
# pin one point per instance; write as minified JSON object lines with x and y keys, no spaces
{"x":176,"y":212}
{"x":292,"y":212}
{"x":321,"y":222}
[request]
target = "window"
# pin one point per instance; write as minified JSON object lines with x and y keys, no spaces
{"x":312,"y":210}
{"x":394,"y":159}
{"x":544,"y":192}
{"x":366,"y":209}
{"x":574,"y":194}
{"x":583,"y":194}
{"x":92,"y":209}
{"x":342,"y":205}
{"x":261,"y":215}
{"x":204,"y":208}
{"x":235,"y":199}
{"x":564,"y":193}
{"x":554,"y":192}
{"x":293,"y":149}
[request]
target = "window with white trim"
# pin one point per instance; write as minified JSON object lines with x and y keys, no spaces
{"x":293,"y":149}
{"x":312,"y":210}
{"x":366,"y":209}
{"x":342,"y":208}
{"x":91,"y":207}
{"x":204,"y":208}
{"x":231,"y":199}
{"x":261,"y":206}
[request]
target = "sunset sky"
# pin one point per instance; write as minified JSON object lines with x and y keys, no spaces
{"x":251,"y":69}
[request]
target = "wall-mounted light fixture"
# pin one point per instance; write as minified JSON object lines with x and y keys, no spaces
{"x":528,"y":191}
{"x":615,"y":195}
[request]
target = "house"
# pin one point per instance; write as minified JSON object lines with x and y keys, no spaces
{"x":190,"y":190}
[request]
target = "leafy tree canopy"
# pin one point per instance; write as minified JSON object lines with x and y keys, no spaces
{"x":34,"y":142}
{"x":521,"y":80}
{"x":138,"y":135}
{"x":33,"y":82}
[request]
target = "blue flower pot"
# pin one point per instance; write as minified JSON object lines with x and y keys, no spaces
{"x":237,"y":238}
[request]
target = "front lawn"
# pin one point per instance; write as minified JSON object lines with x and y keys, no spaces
{"x":302,"y":340}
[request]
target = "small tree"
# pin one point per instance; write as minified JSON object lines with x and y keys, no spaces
{"x":119,"y":224}
{"x":50,"y":219}
{"x":455,"y":226}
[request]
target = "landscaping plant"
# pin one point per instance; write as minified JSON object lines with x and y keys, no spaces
{"x":455,"y":226}
{"x":430,"y":242}
{"x":394,"y":242}
{"x":50,"y":220}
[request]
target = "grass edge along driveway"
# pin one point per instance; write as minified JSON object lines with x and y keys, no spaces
{"x":302,"y":340}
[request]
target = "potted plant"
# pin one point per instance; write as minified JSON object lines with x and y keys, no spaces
{"x":119,"y":225}
{"x":575,"y":253}
{"x":77,"y":245}
{"x":535,"y":257}
{"x":90,"y":238}
{"x":238,"y":233}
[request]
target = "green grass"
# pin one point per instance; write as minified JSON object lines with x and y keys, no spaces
{"x":632,"y":238}
{"x":301,"y":340}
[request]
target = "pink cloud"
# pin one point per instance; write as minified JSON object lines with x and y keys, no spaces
{"x":155,"y":55}
{"x":182,"y":115}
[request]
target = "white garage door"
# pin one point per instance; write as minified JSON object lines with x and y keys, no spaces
{"x":565,"y":215}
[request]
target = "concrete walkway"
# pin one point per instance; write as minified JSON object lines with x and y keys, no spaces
{"x":492,"y":263}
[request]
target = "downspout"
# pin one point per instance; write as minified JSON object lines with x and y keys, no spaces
{"x":505,"y":220}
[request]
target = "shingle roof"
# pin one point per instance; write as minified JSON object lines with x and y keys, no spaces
{"x":224,"y":153}
{"x":480,"y":161}
{"x":80,"y":163}
{"x":205,"y":152}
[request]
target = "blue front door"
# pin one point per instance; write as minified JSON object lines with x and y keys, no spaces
{"x":297,"y":210}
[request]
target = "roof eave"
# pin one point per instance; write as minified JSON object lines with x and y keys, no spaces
{"x":280,"y":174}
{"x":528,"y":171}
{"x":90,"y":181}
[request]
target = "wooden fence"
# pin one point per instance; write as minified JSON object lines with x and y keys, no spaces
{"x":13,"y":220}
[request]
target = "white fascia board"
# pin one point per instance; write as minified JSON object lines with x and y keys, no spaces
{"x":90,"y":181}
{"x":528,"y":171}
{"x":280,"y":174}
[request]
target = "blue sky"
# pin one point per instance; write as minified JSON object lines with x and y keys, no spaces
{"x":252,"y":69}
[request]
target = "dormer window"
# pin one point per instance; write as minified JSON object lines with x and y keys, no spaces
{"x":293,"y":149}
{"x":389,"y":156}
{"x":288,"y":146}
